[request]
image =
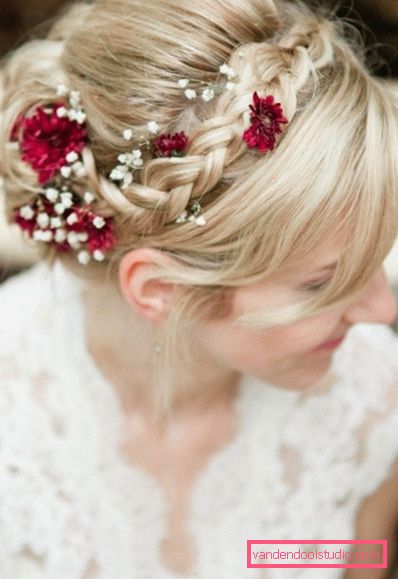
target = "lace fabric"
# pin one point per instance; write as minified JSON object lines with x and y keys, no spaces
{"x":71,"y":507}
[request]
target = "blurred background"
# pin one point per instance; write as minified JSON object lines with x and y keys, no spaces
{"x":21,"y":20}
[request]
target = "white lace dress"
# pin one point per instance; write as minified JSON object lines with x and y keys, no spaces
{"x":72,"y":508}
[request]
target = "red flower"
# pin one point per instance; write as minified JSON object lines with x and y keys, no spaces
{"x":170,"y":145}
{"x":266,"y":118}
{"x":46,"y":140}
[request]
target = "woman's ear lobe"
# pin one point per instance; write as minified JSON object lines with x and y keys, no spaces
{"x":150,"y":298}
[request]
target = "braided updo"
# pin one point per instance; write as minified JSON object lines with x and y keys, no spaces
{"x":334,"y":162}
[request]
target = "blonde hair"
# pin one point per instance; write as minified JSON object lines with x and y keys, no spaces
{"x":334,"y":164}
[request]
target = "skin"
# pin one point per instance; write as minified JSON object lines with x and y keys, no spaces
{"x":284,"y":356}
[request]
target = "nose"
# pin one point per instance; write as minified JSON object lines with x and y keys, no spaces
{"x":375,"y":304}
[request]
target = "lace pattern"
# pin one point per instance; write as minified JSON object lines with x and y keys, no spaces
{"x":72,"y":508}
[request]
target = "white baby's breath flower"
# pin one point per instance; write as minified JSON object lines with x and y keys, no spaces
{"x":43,"y":220}
{"x":73,"y":239}
{"x":200,"y":220}
{"x":230,"y":85}
{"x":62,"y":112}
{"x":55,"y":222}
{"x":183,"y":82}
{"x":26,"y":212}
{"x":62,"y":90}
{"x":82,"y":236}
{"x":80,"y":117}
{"x":83,"y":257}
{"x":98,"y":255}
{"x":74,"y":99}
{"x":153,"y":127}
{"x":227,"y":70}
{"x":72,"y":219}
{"x":59,"y":208}
{"x":51,"y":194}
{"x":190,"y":93}
{"x":66,"y":171}
{"x":122,"y":158}
{"x":118,"y":173}
{"x":127,"y":180}
{"x":98,"y":222}
{"x":88,"y":197}
{"x":67,"y":200}
{"x":79,"y":169}
{"x":208,"y":94}
{"x":127,"y":134}
{"x":60,"y":235}
{"x":72,"y":157}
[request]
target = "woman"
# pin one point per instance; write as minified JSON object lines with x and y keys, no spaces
{"x":203,"y":355}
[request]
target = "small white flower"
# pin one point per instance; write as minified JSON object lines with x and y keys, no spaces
{"x":137,"y":154}
{"x":62,"y":90}
{"x":98,"y":222}
{"x":74,"y":99}
{"x":153,"y":127}
{"x":43,"y":220}
{"x":83,"y":236}
{"x":227,"y":70}
{"x":66,"y":171}
{"x":62,"y":112}
{"x":208,"y":94}
{"x":26,"y":212}
{"x":127,"y":134}
{"x":127,"y":180}
{"x":55,"y":222}
{"x":118,"y":173}
{"x":79,"y":169}
{"x":51,"y":194}
{"x":122,"y":158}
{"x":88,"y":197}
{"x":40,"y":235}
{"x":73,"y":239}
{"x":200,"y":220}
{"x":72,"y":219}
{"x":66,"y":200}
{"x":80,"y":117}
{"x":190,"y":93}
{"x":137,"y":163}
{"x":183,"y":82}
{"x":230,"y":85}
{"x":47,"y":236}
{"x":60,"y":235}
{"x":98,"y":255}
{"x":72,"y":157}
{"x":83,"y":257}
{"x":183,"y":217}
{"x":59,"y":208}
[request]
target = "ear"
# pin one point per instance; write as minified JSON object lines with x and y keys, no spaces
{"x":150,"y":298}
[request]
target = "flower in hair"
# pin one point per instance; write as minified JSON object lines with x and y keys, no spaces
{"x":167,"y":145}
{"x":63,"y":219}
{"x":49,"y":140}
{"x":266,"y":118}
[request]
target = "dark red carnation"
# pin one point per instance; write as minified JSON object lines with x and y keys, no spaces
{"x":266,"y":118}
{"x":167,"y":145}
{"x":46,"y":139}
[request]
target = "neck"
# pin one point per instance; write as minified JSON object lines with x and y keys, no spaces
{"x":122,"y":345}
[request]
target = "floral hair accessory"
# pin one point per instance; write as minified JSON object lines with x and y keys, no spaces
{"x":212,"y":89}
{"x":51,"y":141}
{"x":171,"y":145}
{"x":266,"y":118}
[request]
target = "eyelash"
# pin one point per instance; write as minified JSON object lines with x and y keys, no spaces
{"x":313,"y":287}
